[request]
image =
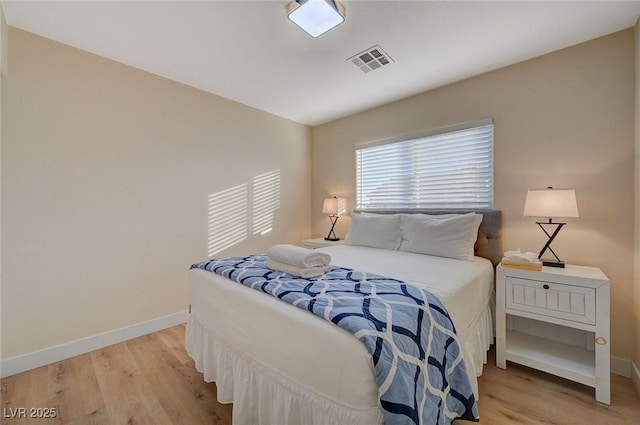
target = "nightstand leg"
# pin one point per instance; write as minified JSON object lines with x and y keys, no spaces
{"x":501,"y":332}
{"x":603,"y":346}
{"x":501,"y":362}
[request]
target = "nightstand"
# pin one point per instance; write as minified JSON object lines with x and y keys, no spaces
{"x":319,"y":243}
{"x":575,"y":297}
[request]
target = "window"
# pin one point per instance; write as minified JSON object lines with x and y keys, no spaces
{"x":447,"y":168}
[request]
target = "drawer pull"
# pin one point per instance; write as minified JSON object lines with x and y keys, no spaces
{"x":545,"y":286}
{"x":601,"y":340}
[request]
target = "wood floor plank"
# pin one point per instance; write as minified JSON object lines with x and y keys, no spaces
{"x":99,"y":417}
{"x":521,"y":395}
{"x":23,"y":392}
{"x":127,"y":395}
{"x":74,"y":387}
{"x":185,"y":399}
{"x":173,"y":338}
{"x":151,"y":380}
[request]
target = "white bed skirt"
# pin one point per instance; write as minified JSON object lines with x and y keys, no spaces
{"x":262,"y":396}
{"x":477,"y":341}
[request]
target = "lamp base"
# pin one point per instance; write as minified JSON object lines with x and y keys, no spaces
{"x":550,"y":263}
{"x":332,"y":235}
{"x":553,"y":263}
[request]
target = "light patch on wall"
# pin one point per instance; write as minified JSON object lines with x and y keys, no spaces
{"x":342,"y":206}
{"x":266,"y":200}
{"x":230,"y":217}
{"x":227,"y":218}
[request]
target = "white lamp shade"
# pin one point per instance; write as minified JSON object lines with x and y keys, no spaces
{"x":316,"y":17}
{"x":551,"y":203}
{"x":333,"y":206}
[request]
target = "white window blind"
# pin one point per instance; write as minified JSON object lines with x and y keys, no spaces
{"x":451,"y":169}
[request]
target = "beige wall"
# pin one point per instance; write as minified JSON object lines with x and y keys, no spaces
{"x":114,"y":181}
{"x":636,"y":359}
{"x":3,"y":68}
{"x":565,"y":120}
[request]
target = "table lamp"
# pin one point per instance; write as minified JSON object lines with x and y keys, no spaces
{"x":334,"y":207}
{"x":551,"y":203}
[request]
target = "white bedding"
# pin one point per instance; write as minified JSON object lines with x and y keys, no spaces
{"x":283,"y":365}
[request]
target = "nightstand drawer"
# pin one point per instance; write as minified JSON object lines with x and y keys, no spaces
{"x":575,"y":303}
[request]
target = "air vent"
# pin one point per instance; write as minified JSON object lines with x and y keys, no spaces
{"x":371,"y":59}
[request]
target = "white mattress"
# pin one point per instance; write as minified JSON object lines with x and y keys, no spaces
{"x":464,"y":287}
{"x":320,"y":372}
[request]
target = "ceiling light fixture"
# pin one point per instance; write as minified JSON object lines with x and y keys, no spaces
{"x":316,"y":17}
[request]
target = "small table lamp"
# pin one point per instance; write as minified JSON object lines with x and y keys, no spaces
{"x":551,"y":203}
{"x":334,"y":207}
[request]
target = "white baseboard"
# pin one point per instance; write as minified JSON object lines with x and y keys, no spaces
{"x":635,"y":376}
{"x":60,"y":352}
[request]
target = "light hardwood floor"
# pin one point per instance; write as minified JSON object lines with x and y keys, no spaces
{"x":151,"y":380}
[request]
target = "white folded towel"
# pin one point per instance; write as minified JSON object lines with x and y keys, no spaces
{"x":298,"y":256}
{"x":305,"y":272}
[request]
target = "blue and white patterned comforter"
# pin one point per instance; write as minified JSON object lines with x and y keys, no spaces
{"x":417,"y":360}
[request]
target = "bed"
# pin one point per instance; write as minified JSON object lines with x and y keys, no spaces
{"x":279,"y":364}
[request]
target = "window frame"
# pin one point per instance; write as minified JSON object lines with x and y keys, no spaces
{"x":426,"y":134}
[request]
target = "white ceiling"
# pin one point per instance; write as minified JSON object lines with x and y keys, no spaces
{"x":248,"y":51}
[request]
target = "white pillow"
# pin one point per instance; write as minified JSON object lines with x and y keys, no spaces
{"x":452,"y":235}
{"x":375,"y":230}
